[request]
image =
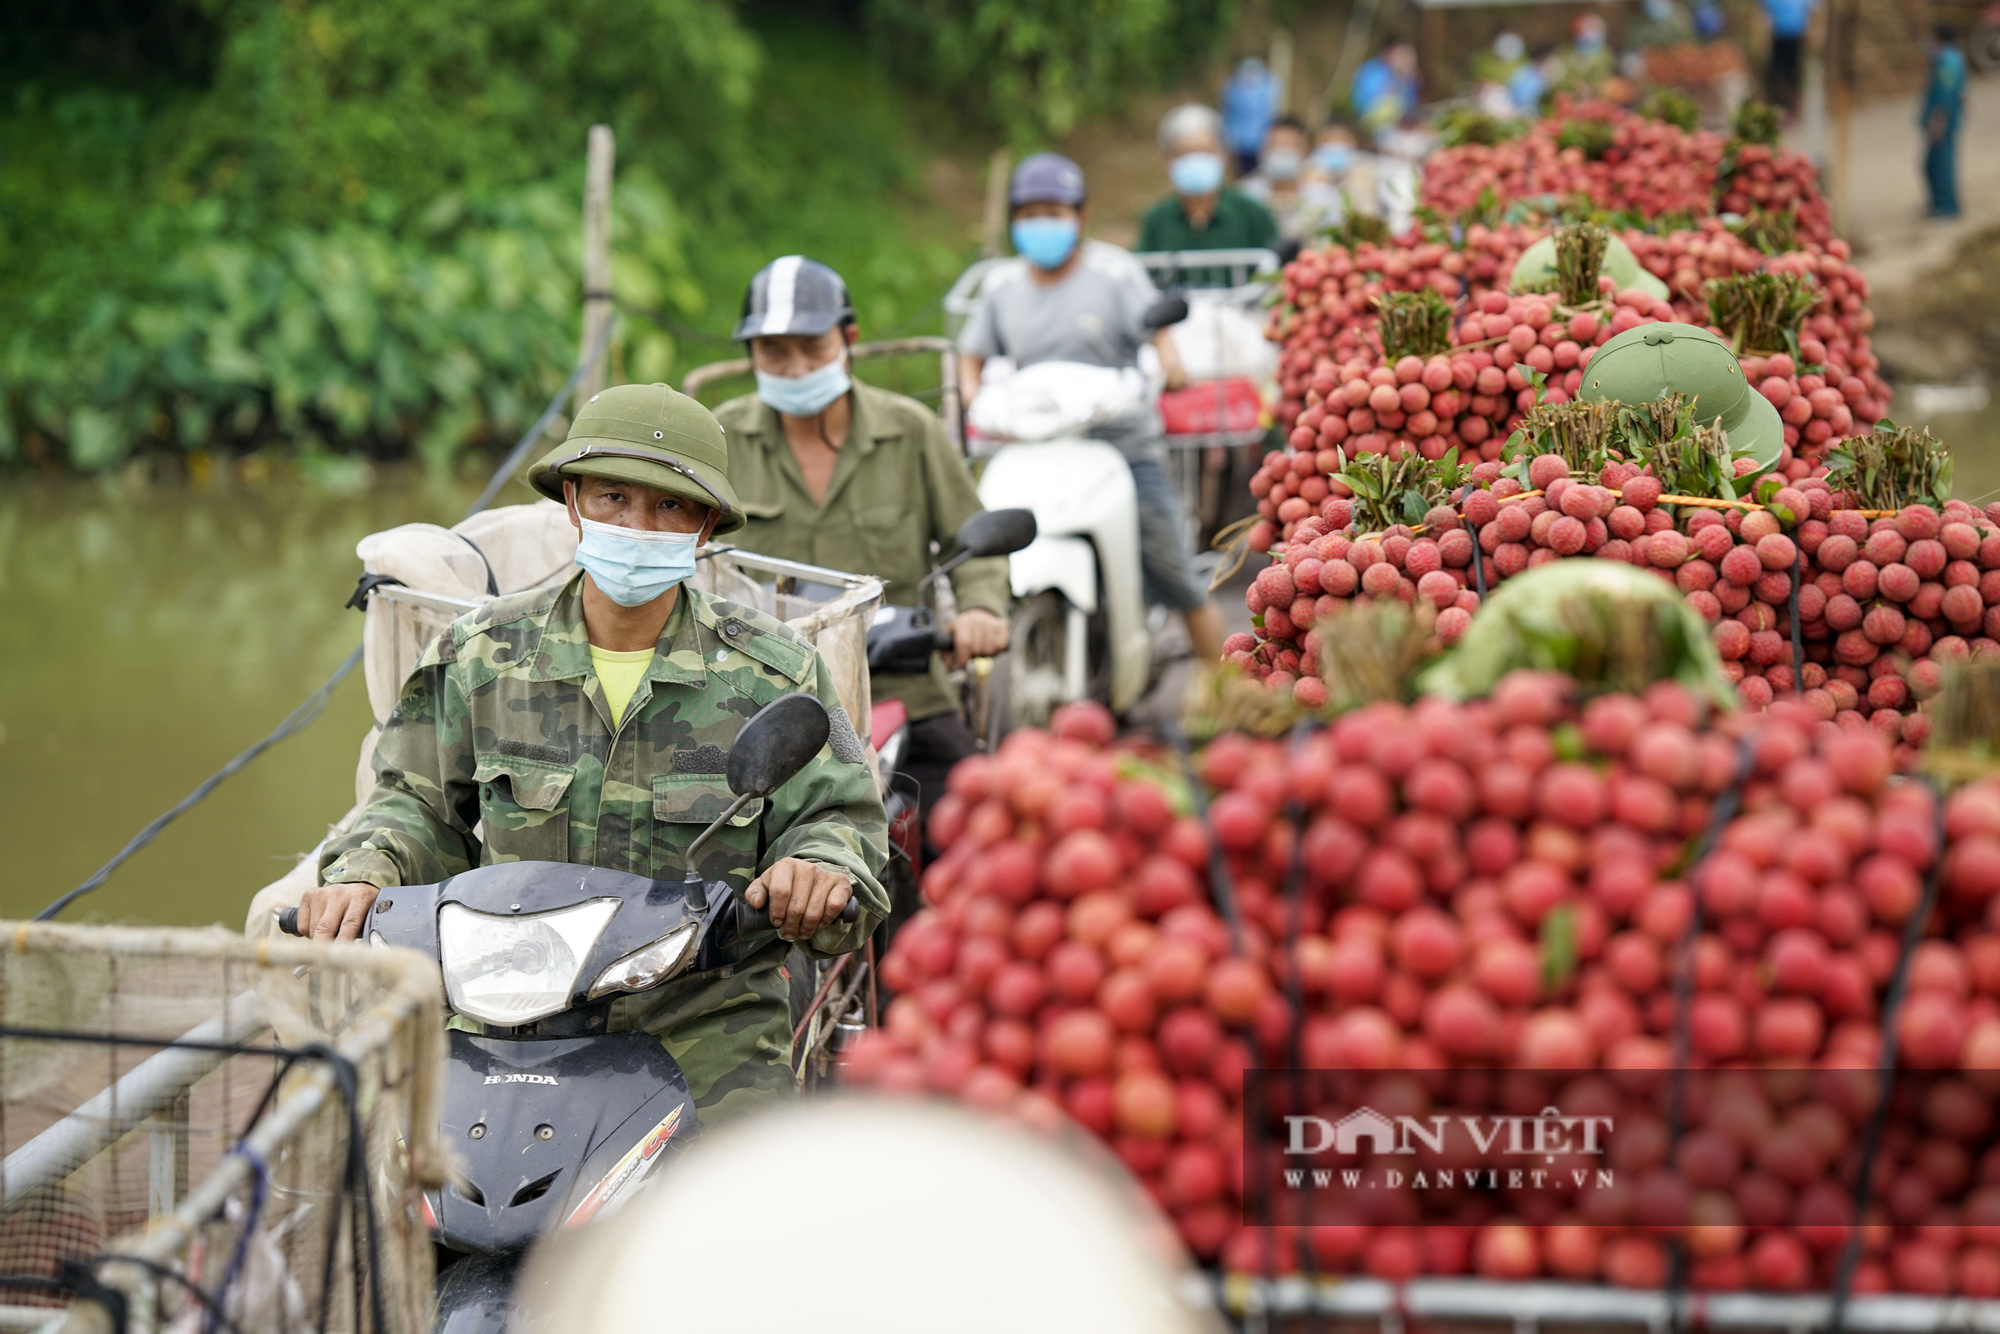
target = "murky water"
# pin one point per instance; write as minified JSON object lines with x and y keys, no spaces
{"x":1974,"y":440}
{"x":148,"y":632}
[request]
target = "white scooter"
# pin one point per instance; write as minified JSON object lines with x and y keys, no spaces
{"x":1079,"y":625}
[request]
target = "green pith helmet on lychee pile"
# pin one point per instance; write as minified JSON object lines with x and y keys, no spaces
{"x":1653,"y":360}
{"x":1537,"y":268}
{"x":649,"y":435}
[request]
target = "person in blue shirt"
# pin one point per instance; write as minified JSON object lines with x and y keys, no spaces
{"x":1944,"y":108}
{"x":1385,"y":87}
{"x":1249,"y":105}
{"x":1788,"y":38}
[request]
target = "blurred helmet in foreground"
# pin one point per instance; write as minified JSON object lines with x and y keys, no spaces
{"x":855,"y":1214}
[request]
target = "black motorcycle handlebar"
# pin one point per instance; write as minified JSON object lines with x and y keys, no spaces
{"x":288,"y":918}
{"x":849,"y":912}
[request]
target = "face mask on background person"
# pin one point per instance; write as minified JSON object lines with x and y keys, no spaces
{"x":1044,"y":242}
{"x":805,"y":395}
{"x":1196,"y":173}
{"x":1282,"y":164}
{"x":632,"y":566}
{"x":1333,"y":158}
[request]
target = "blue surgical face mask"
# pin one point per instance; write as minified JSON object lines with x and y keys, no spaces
{"x":1044,"y":242}
{"x":1281,"y":164}
{"x":805,"y":395}
{"x":632,"y":566}
{"x":1334,"y":158}
{"x":1196,"y":173}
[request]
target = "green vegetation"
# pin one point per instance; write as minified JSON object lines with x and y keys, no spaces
{"x":1413,"y":324}
{"x":1037,"y":67}
{"x":345,"y":226}
{"x":1891,"y":467}
{"x":1761,"y":312}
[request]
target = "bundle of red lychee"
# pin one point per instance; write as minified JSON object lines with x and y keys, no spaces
{"x":1331,"y":296}
{"x":1758,"y":178}
{"x":1618,"y":159}
{"x":1885,"y":597}
{"x":1368,"y":369}
{"x":1624,"y":162}
{"x":1497,"y":885}
{"x":1463,"y":401}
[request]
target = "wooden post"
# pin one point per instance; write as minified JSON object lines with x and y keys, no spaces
{"x":596,"y":257}
{"x":1353,"y":50}
{"x":1842,"y":20}
{"x":993,"y":242}
{"x":1436,"y":64}
{"x":1281,"y":67}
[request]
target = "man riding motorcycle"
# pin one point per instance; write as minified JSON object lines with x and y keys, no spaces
{"x":841,"y":474}
{"x":590,"y":723}
{"x":1069,"y":297}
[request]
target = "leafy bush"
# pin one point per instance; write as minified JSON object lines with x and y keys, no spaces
{"x":347,"y":337}
{"x":362,"y":233}
{"x":1034,"y":68}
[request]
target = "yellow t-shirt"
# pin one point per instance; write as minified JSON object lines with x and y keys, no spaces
{"x":619,"y":674}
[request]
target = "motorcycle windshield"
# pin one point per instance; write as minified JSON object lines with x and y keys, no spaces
{"x":514,"y":969}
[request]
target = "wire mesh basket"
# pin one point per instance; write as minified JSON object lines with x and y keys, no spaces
{"x":203,"y":1131}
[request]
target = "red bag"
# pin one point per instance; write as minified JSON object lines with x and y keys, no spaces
{"x":1213,"y":406}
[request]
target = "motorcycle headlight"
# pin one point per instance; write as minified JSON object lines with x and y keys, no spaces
{"x":513,"y":970}
{"x":647,"y":967}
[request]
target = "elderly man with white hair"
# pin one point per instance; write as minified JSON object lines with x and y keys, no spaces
{"x":1202,"y":213}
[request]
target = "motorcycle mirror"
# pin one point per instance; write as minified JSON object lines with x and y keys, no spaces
{"x":1167,"y":310}
{"x":997,"y":532}
{"x":775,"y":744}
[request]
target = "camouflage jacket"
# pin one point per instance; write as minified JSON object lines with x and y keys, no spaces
{"x":503,"y":724}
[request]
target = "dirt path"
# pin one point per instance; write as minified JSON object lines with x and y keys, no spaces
{"x":1895,"y":244}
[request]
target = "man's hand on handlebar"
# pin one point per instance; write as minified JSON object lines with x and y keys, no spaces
{"x":977,"y":633}
{"x":803,"y":896}
{"x":335,"y":912}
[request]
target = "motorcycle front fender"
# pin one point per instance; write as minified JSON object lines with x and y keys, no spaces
{"x":1066,"y":564}
{"x":553,"y":1132}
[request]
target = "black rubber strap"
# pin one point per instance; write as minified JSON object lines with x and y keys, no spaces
{"x":1878,"y":1118}
{"x":1478,"y":556}
{"x":1798,"y":644}
{"x":1223,"y":888}
{"x":492,"y":584}
{"x":367,"y":584}
{"x":1294,"y":891}
{"x":1719,"y":816}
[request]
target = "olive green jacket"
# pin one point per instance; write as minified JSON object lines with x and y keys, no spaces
{"x":503,"y":725}
{"x":897,"y":487}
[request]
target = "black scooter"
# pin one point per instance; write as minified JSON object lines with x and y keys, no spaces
{"x":556,"y":1121}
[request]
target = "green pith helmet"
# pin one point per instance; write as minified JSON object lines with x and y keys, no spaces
{"x":1537,"y":268}
{"x":1646,"y":362}
{"x":649,"y":435}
